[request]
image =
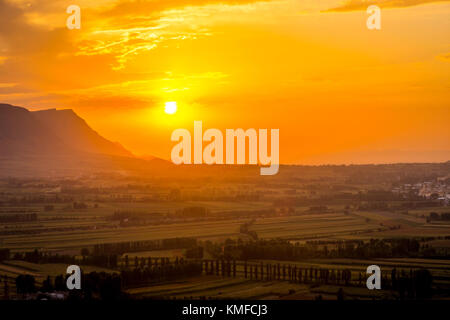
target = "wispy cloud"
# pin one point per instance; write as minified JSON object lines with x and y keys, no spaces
{"x":134,"y":27}
{"x":356,"y":5}
{"x":444,"y":57}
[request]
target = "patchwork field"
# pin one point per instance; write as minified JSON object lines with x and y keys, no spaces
{"x":68,"y":230}
{"x":157,"y":232}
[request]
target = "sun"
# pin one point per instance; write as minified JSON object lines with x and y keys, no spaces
{"x":170,"y":107}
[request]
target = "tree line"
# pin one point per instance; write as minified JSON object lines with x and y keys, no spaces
{"x":108,"y":286}
{"x":134,"y":246}
{"x":284,"y":250}
{"x":415,"y":284}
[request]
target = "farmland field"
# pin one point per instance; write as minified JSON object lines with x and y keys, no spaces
{"x":306,"y":236}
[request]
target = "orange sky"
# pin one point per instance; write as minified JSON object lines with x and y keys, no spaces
{"x":338,"y":92}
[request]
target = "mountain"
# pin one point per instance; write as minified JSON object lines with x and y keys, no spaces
{"x":50,"y":132}
{"x":22,"y":134}
{"x":58,"y":143}
{"x":73,"y":131}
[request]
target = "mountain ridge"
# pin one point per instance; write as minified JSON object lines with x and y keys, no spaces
{"x":74,"y":130}
{"x":60,"y":132}
{"x":59,"y":143}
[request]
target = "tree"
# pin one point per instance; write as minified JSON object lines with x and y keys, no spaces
{"x":25,"y":284}
{"x":6,"y":287}
{"x":340,"y":294}
{"x":60,"y":284}
{"x":423,"y":283}
{"x":47,"y":285}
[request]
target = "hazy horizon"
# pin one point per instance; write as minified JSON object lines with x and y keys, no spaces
{"x":354,"y":157}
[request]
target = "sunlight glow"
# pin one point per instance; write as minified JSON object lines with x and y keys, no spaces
{"x":170,"y":107}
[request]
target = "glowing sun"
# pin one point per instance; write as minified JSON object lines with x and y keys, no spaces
{"x":170,"y":107}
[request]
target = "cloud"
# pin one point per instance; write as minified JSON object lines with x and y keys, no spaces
{"x":117,"y":29}
{"x":356,"y":5}
{"x":37,"y":50}
{"x":25,"y":47}
{"x":444,"y":57}
{"x":134,"y":27}
{"x":151,"y":6}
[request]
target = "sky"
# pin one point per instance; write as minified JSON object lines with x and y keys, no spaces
{"x":338,"y":92}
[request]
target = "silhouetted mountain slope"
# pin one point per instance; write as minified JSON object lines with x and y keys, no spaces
{"x":67,"y":126}
{"x":50,"y":132}
{"x":22,"y":134}
{"x":59,"y":143}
